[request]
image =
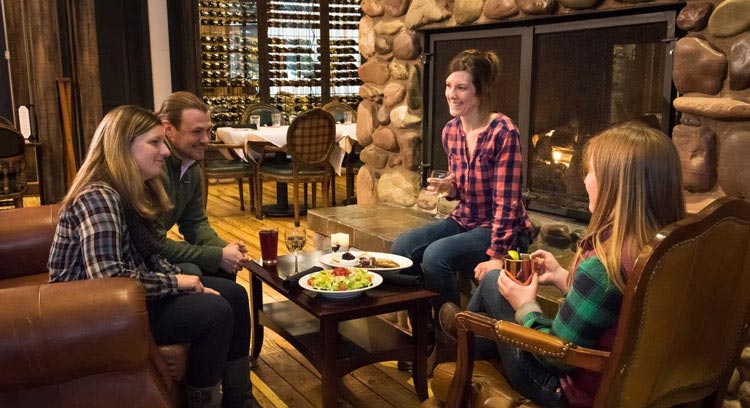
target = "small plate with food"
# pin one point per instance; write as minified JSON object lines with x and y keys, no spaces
{"x":373,"y":261}
{"x":341,"y":283}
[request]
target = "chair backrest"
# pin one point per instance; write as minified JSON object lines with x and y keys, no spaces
{"x":311,"y":137}
{"x":12,"y":142}
{"x":264,"y":110}
{"x":685,"y":313}
{"x":337,"y":109}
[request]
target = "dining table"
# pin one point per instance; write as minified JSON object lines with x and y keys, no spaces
{"x":346,"y":139}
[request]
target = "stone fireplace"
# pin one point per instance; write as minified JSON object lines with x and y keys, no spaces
{"x":711,"y":73}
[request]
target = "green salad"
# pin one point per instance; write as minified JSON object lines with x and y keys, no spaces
{"x":340,"y":279}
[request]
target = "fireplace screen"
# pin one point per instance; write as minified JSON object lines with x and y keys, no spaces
{"x":576,"y":79}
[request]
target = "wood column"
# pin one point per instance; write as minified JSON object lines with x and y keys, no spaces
{"x":41,"y":51}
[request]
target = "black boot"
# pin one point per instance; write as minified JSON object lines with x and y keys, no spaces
{"x":206,"y":397}
{"x":235,"y":381}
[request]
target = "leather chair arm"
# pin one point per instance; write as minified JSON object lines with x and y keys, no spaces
{"x":470,"y":324}
{"x":101,"y":325}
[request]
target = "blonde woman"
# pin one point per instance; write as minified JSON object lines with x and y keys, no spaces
{"x":108,"y":228}
{"x":634,"y":186}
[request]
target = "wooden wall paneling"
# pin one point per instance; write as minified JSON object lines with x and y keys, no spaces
{"x":184,"y":46}
{"x":85,"y":63}
{"x":37,"y":63}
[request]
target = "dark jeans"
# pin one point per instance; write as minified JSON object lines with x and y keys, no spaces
{"x":526,"y":374}
{"x":441,"y":249}
{"x":217,"y":327}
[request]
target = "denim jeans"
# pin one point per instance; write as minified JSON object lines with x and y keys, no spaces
{"x":525,"y":373}
{"x":439,"y":250}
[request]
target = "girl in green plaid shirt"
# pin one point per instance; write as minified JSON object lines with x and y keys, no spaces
{"x":634,"y":185}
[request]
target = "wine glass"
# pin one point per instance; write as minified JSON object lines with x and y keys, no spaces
{"x":295,"y":239}
{"x":441,"y":188}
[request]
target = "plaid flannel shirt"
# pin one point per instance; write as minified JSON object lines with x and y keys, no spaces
{"x":92,"y":241}
{"x":488,"y":184}
{"x":591,"y":306}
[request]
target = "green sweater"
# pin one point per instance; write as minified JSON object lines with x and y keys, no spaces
{"x":202,"y":246}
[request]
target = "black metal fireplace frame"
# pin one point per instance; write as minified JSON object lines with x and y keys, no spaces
{"x":433,"y":157}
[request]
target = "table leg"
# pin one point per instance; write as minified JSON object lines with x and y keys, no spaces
{"x":329,"y":331}
{"x":419,"y":368}
{"x":282,"y":207}
{"x":256,"y":302}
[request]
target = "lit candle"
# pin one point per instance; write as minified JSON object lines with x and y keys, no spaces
{"x":340,"y":240}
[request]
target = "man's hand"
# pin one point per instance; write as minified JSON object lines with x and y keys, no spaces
{"x":232,"y":255}
{"x":486,"y":266}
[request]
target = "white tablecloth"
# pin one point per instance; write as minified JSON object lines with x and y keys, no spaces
{"x":345,"y":136}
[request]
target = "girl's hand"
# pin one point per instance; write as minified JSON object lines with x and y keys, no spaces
{"x":550,"y":271}
{"x":516,"y":294}
{"x":486,"y":266}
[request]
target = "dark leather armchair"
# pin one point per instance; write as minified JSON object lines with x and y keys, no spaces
{"x":683,"y":323}
{"x":12,"y":165}
{"x":85,"y":343}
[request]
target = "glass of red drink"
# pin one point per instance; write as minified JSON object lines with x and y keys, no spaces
{"x":269,"y":244}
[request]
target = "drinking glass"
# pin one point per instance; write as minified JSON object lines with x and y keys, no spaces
{"x":441,"y":189}
{"x":275,"y":120}
{"x":255,"y":120}
{"x":269,"y":242}
{"x":347,"y":118}
{"x":295,"y":239}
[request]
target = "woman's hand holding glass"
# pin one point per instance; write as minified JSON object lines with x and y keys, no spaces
{"x":441,"y":183}
{"x":551,"y":273}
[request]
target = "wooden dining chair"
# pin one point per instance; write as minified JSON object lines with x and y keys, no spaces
{"x":309,"y":143}
{"x":683,"y":322}
{"x":12,"y":166}
{"x":352,"y":162}
{"x":217,"y":165}
{"x":263,"y":110}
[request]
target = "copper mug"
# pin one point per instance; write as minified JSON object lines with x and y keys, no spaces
{"x":520,"y":270}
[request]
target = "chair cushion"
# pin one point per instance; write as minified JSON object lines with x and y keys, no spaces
{"x":227,"y":166}
{"x":285,"y":169}
{"x":491,"y":388}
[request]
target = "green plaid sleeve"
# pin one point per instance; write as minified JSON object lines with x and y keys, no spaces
{"x":591,"y":306}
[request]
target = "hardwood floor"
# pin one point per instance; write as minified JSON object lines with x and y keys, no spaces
{"x":283,"y":378}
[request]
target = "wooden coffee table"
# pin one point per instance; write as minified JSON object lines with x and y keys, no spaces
{"x":339,"y":336}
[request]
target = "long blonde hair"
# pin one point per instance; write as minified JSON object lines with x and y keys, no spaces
{"x":638,"y":173}
{"x":109,"y":160}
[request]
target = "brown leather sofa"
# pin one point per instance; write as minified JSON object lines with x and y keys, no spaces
{"x":74,"y":344}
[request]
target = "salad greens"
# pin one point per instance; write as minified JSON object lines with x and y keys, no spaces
{"x":340,"y":279}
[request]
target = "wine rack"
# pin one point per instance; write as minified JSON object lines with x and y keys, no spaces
{"x":229,"y":57}
{"x":230,"y":64}
{"x":344,"y":16}
{"x":293,"y":56}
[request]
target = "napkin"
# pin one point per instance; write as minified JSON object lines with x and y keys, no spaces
{"x":292,"y":281}
{"x":401,"y":279}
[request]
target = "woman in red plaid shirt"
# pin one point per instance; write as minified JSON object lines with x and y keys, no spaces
{"x":484,"y":165}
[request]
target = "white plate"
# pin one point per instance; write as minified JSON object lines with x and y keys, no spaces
{"x":331,"y":259}
{"x":343,"y":294}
